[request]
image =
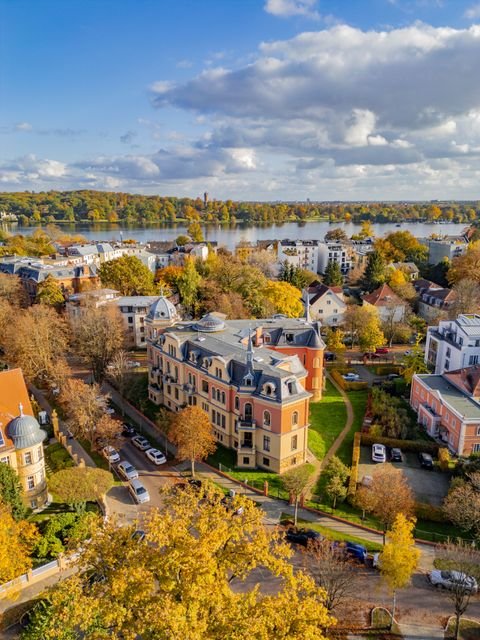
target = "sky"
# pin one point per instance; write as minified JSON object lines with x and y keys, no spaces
{"x":246,"y":99}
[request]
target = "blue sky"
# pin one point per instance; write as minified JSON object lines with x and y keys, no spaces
{"x":267,"y":99}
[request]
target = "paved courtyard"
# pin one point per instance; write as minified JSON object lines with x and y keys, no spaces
{"x":428,"y":486}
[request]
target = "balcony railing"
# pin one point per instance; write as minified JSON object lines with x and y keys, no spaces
{"x":246,"y":447}
{"x":246,"y":425}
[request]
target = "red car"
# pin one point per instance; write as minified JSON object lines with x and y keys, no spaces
{"x":381,"y":350}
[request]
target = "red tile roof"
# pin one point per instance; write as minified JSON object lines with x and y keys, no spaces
{"x":13,"y":392}
{"x":382,"y":297}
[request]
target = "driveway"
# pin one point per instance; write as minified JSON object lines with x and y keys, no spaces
{"x":428,"y":486}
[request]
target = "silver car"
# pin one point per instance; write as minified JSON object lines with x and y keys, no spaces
{"x":127,"y":470}
{"x":138,"y":491}
{"x":453,"y":580}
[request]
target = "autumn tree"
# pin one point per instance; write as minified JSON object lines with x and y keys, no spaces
{"x":99,"y":335}
{"x":12,"y":290}
{"x":467,"y":266}
{"x":370,"y":334}
{"x":336,"y":235}
{"x":11,"y":491}
{"x":335,"y":341}
{"x":192,"y":433}
{"x":295,"y":481}
{"x":84,"y":406}
{"x":390,"y":495}
{"x":37,"y":343}
{"x":128,"y":275}
{"x":414,"y":362}
{"x":79,"y":485}
{"x":195,"y":231}
{"x":333,"y":571}
{"x":464,"y":559}
{"x":333,"y":275}
{"x":119,"y":372}
{"x":199,"y":542}
{"x":467,"y":298}
{"x":49,"y":292}
{"x":17,"y":539}
{"x":462,"y":506}
{"x":399,"y":557}
{"x":285,"y":298}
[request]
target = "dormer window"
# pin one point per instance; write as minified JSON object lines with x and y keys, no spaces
{"x":269,"y":389}
{"x":289,"y":337}
{"x":266,"y":338}
{"x":291,"y":387}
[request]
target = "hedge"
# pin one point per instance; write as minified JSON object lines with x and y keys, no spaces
{"x":348,"y":386}
{"x":425,"y":511}
{"x":352,"y":483}
{"x":385,"y":369}
{"x":406,"y":445}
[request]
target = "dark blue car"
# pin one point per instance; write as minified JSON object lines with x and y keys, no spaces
{"x":357,"y":551}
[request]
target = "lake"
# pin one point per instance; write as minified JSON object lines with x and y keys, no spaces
{"x":229,"y":236}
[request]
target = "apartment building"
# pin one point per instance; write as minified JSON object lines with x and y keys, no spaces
{"x":448,"y":406}
{"x":447,"y":247}
{"x":21,"y":438}
{"x":340,"y":252}
{"x":453,"y":344}
{"x":254,"y":378}
{"x":299,"y":253}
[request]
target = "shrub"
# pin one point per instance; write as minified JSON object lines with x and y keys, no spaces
{"x":352,"y":484}
{"x":425,"y":511}
{"x":406,"y":445}
{"x":444,"y":458}
{"x":348,"y":386}
{"x":386,"y":369}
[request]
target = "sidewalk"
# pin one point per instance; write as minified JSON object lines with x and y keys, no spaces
{"x":274,"y":508}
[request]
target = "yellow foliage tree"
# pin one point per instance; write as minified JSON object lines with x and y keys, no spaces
{"x":186,"y":579}
{"x":286,"y":298}
{"x":399,"y":557}
{"x":397,"y":278}
{"x":466,"y":267}
{"x":16,"y":542}
{"x":192,"y":432}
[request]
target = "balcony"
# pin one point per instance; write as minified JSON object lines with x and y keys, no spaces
{"x":246,"y":447}
{"x":245,"y":425}
{"x":434,"y":417}
{"x":446,"y":336}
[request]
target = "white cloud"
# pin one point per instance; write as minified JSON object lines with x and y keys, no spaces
{"x":473,"y":12}
{"x":289,"y":8}
{"x":23,"y":126}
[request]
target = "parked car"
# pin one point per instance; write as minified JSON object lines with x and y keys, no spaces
{"x":302,"y":536}
{"x":128,"y":431}
{"x":133,"y":364}
{"x":357,"y":551}
{"x":452,"y":580}
{"x":156,"y":456}
{"x":392,"y":376}
{"x":351,"y":377}
{"x":370,"y":356}
{"x":379,"y":453}
{"x":138,"y":491}
{"x":426,"y":460}
{"x":377,"y":382}
{"x":111,"y":454}
{"x":396,"y":455}
{"x":141,"y":443}
{"x":127,"y":470}
{"x":381,"y":350}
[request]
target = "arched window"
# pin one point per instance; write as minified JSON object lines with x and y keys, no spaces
{"x":223,"y":397}
{"x":247,"y":409}
{"x":317,"y":363}
{"x":237,"y":403}
{"x":295,"y":418}
{"x":266,"y":419}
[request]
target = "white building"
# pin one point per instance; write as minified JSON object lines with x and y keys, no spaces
{"x":340,"y":252}
{"x":326,"y":304}
{"x":454,"y":344}
{"x":299,"y":253}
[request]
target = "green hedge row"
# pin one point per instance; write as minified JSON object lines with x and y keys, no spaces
{"x":348,"y":386}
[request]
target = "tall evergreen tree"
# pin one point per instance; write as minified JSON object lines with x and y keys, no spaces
{"x":374,"y":274}
{"x":11,"y":491}
{"x":333,"y":274}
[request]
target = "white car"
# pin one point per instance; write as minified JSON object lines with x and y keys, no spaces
{"x":141,"y":443}
{"x":138,"y":491}
{"x":133,"y":364}
{"x":379,"y":453}
{"x":127,"y":470}
{"x":452,"y":580}
{"x":111,"y":454}
{"x":156,"y":456}
{"x":351,"y":377}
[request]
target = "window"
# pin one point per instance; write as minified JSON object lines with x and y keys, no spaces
{"x":478,"y":432}
{"x":224,"y":397}
{"x":176,"y":393}
{"x":295,"y":418}
{"x":223,"y":422}
{"x":473,"y":360}
{"x":294,"y":443}
{"x":448,"y":352}
{"x":447,"y":364}
{"x":290,"y":387}
{"x":2,"y":441}
{"x":266,"y":462}
{"x":460,"y":341}
{"x":130,"y":320}
{"x":39,"y":453}
{"x":329,"y":302}
{"x":476,"y":448}
{"x":246,"y":460}
{"x":33,"y":504}
{"x":237,"y":403}
{"x":205,"y":406}
{"x":5,"y":459}
{"x":266,"y":443}
{"x":266,"y":418}
{"x":31,"y":482}
{"x":289,"y":337}
{"x":317,"y":363}
{"x":27,"y":458}
{"x":204,"y":386}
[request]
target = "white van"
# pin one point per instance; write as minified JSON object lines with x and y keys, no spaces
{"x":138,"y":491}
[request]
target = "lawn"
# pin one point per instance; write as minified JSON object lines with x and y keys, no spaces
{"x":359,"y":404}
{"x":54,"y":508}
{"x":327,"y":419}
{"x":57,"y":458}
{"x":98,"y":459}
{"x":469,"y":630}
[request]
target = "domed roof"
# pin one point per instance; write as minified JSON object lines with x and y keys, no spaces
{"x":25,"y":431}
{"x":162,"y":309}
{"x":209,"y":323}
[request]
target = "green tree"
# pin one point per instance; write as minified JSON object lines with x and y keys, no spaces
{"x":336,"y":490}
{"x":399,"y":558}
{"x":11,"y":491}
{"x":295,"y":482}
{"x":333,"y":274}
{"x":188,"y":283}
{"x":128,"y":275}
{"x":374,"y":274}
{"x":79,"y":485}
{"x":49,"y":292}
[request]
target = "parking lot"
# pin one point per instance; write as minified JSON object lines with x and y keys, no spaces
{"x":428,"y":486}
